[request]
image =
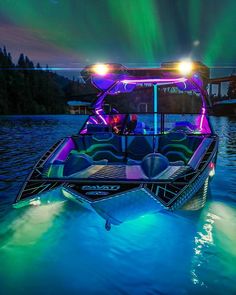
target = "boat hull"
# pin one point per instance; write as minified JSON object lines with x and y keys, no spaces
{"x":125,"y":202}
{"x":120,"y":200}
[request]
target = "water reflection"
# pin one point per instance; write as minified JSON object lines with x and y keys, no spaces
{"x":226,"y":129}
{"x":215,"y":249}
{"x":203,"y":240}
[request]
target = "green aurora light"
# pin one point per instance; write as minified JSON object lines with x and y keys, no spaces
{"x":132,"y":31}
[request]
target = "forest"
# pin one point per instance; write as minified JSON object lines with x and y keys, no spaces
{"x":26,"y":88}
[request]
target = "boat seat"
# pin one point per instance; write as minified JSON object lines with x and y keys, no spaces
{"x":183,"y":126}
{"x":108,"y":155}
{"x":138,"y":147}
{"x":178,"y":146}
{"x":133,"y":162}
{"x":153,"y":164}
{"x":77,"y":162}
{"x":194,"y":141}
{"x":101,"y":146}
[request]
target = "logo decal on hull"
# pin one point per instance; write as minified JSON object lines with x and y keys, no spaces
{"x":100,"y":187}
{"x":97,"y":193}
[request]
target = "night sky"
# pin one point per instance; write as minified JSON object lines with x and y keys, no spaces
{"x":73,"y":33}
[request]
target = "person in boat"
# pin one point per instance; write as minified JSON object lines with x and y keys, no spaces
{"x":132,"y":124}
{"x":116,"y":123}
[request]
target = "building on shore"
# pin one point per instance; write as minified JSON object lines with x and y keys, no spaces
{"x":79,"y":107}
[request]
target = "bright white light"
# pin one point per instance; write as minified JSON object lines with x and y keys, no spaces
{"x":212,"y":167}
{"x":212,"y":172}
{"x":101,"y":69}
{"x":185,"y":67}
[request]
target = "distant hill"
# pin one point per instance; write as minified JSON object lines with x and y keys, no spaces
{"x":29,"y":89}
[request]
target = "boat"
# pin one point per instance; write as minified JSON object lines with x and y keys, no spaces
{"x":123,"y":166}
{"x":225,"y":107}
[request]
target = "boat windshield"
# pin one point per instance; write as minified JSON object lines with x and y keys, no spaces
{"x":147,"y":124}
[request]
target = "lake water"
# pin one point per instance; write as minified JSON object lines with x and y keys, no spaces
{"x":62,"y":248}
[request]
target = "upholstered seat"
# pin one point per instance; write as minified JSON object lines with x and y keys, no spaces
{"x":178,"y":146}
{"x":138,"y":147}
{"x":101,"y":146}
{"x":77,"y":162}
{"x":153,"y":164}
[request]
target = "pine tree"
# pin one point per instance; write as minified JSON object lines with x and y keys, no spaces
{"x":5,"y":51}
{"x":21,"y":61}
{"x":29,"y":91}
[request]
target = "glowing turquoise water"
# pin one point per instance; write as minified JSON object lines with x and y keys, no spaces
{"x":63,"y":248}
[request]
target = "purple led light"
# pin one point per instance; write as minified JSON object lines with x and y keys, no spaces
{"x":202,"y":117}
{"x":100,"y":116}
{"x":93,"y":120}
{"x":202,"y":122}
{"x":64,"y":151}
{"x":158,"y":81}
{"x":84,"y":131}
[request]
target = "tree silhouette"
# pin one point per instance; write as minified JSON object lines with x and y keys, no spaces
{"x":29,"y":90}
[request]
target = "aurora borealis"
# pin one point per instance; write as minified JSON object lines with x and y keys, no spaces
{"x":70,"y":33}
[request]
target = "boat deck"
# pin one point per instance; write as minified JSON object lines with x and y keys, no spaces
{"x":127,"y":172}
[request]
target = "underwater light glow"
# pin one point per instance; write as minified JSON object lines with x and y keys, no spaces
{"x":101,"y":69}
{"x":35,"y":202}
{"x":185,"y":67}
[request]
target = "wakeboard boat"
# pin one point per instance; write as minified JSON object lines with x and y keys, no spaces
{"x":125,"y":165}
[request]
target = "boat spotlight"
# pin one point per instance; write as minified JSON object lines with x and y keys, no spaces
{"x":185,"y":67}
{"x":101,"y":69}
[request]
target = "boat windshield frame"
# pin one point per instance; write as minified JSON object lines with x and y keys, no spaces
{"x":199,"y":124}
{"x":163,"y":78}
{"x":170,"y":78}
